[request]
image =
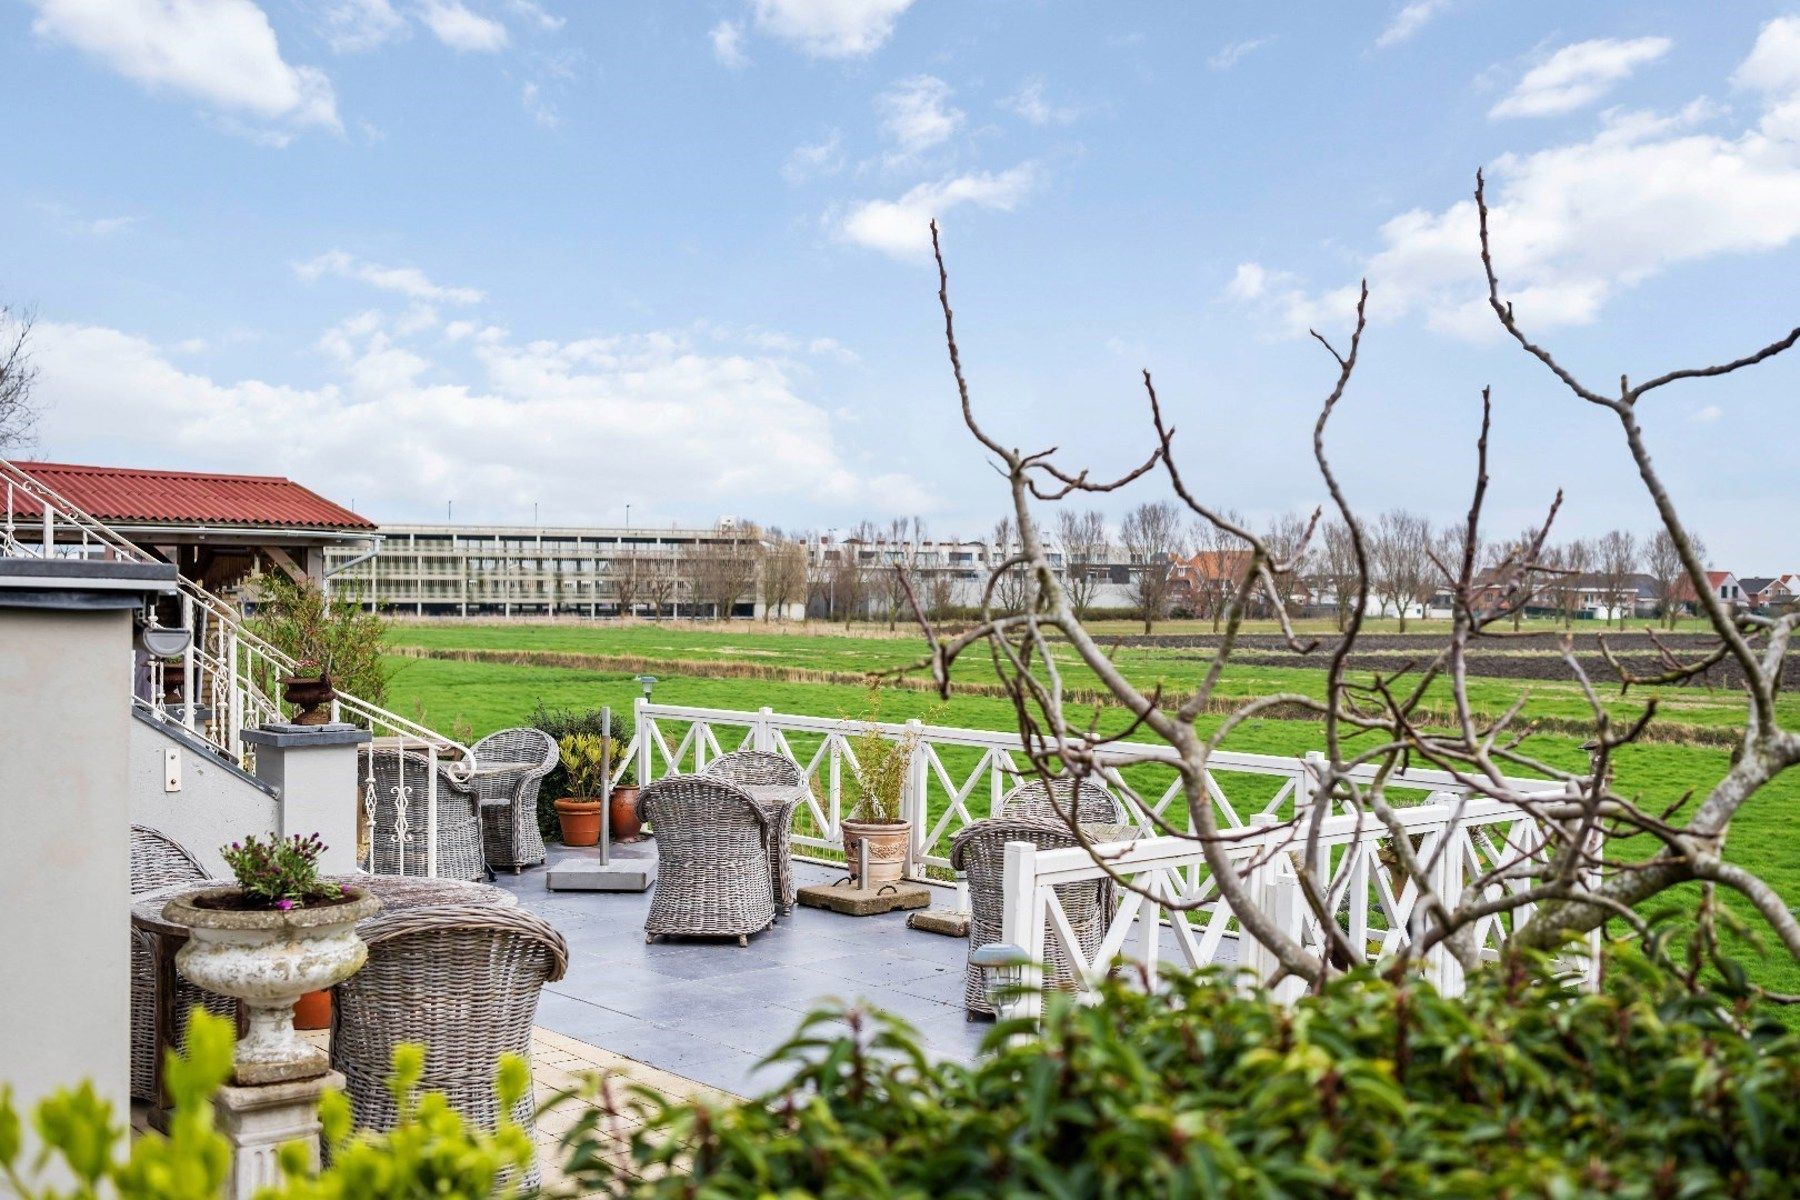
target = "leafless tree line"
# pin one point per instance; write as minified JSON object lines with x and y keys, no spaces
{"x":1585,"y":861}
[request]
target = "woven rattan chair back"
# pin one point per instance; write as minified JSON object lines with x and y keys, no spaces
{"x":464,"y":981}
{"x":761,"y":768}
{"x":1050,"y":801}
{"x":509,"y":830}
{"x":712,"y":848}
{"x":406,"y":774}
{"x":159,"y":861}
{"x":980,"y":850}
{"x":754,"y":766}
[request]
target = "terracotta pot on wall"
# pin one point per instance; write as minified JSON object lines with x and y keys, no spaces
{"x":579,"y":817}
{"x":625,"y":824}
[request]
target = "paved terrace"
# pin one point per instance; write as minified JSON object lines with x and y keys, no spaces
{"x":710,"y":1010}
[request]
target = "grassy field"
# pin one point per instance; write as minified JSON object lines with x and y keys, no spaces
{"x":489,"y":695}
{"x":674,"y":648}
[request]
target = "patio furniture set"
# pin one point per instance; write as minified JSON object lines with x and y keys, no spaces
{"x":457,"y":965}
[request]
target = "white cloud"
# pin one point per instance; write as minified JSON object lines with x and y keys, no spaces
{"x":536,"y":14}
{"x":353,"y":26}
{"x":902,"y":228}
{"x":221,"y":52}
{"x":728,"y":45}
{"x":406,"y":281}
{"x":1774,"y":62}
{"x":1575,"y":224}
{"x":498,"y":425}
{"x":1253,"y":281}
{"x":830,"y":28}
{"x":1707,"y":415}
{"x":916,"y":114}
{"x":1577,"y":75}
{"x":815,"y":159}
{"x":460,"y":28}
{"x":1031,"y":103}
{"x":1229,"y":56}
{"x":1409,"y":20}
{"x":542,"y":110}
{"x":67,"y":221}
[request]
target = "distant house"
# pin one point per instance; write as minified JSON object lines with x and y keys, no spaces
{"x":1772,"y":592}
{"x":1723,"y":584}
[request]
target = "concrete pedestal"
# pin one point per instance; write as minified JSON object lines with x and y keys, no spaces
{"x":258,"y":1121}
{"x":853,"y":901}
{"x":313,"y":767}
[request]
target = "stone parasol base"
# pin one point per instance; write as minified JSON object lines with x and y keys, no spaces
{"x":865,"y":902}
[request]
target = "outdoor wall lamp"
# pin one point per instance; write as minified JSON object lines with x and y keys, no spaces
{"x":649,"y":682}
{"x":1002,"y":966}
{"x":162,"y":641}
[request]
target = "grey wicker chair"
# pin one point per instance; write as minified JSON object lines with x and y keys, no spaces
{"x":980,"y":849}
{"x":464,"y":981}
{"x":712,"y":847}
{"x":1050,"y":801}
{"x":159,"y":861}
{"x":762,"y":767}
{"x":509,"y":830}
{"x":407,"y":773}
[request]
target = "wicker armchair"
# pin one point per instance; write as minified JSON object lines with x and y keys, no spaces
{"x":712,"y":846}
{"x":464,"y":981}
{"x":761,"y":767}
{"x":158,"y":861}
{"x":404,"y":773}
{"x":509,"y":830}
{"x":1050,"y":801}
{"x":980,"y":849}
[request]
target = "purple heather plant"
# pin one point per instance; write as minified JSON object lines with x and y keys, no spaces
{"x":280,"y":873}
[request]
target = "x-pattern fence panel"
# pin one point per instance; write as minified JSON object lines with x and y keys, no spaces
{"x":1168,"y":890}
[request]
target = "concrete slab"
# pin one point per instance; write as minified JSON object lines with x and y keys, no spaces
{"x":865,"y":902}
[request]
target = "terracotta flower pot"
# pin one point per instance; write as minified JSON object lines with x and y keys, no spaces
{"x":887,"y":849}
{"x":313,"y":1010}
{"x":579,"y":817}
{"x":625,"y":824}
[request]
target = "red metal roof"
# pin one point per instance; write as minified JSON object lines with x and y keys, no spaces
{"x":124,"y":494}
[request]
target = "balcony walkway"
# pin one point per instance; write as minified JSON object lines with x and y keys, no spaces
{"x":708,"y":1011}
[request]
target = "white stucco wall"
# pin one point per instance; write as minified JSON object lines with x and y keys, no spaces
{"x":213,"y":808}
{"x":65,"y":885}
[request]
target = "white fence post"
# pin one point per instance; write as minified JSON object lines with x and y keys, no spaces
{"x":643,"y":725}
{"x":1022,"y":925}
{"x":764,"y":739}
{"x":913,"y":809}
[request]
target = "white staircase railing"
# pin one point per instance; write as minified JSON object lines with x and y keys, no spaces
{"x":230,"y":679}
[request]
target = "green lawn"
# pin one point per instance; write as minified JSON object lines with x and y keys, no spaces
{"x":1178,"y":669}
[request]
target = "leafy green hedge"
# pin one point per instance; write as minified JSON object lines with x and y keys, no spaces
{"x":1522,"y":1088}
{"x":559,"y":723}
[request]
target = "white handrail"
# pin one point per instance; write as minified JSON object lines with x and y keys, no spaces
{"x":232,"y":679}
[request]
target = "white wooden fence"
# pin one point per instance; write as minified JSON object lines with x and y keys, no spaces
{"x":959,"y":775}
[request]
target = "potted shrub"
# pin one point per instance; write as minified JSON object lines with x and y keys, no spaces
{"x":280,"y":933}
{"x":874,"y":817}
{"x":584,"y":759}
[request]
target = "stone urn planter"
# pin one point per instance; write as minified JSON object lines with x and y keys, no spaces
{"x":268,"y":959}
{"x":311,"y":696}
{"x":887,"y":849}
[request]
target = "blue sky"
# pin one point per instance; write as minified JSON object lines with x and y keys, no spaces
{"x":584,"y":255}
